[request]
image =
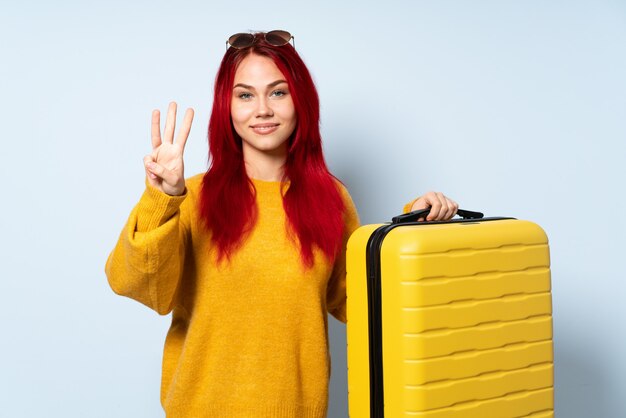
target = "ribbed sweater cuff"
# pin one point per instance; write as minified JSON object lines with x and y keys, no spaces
{"x":156,"y":207}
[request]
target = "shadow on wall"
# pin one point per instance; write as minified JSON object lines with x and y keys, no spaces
{"x":338,"y":389}
{"x":581,"y":388}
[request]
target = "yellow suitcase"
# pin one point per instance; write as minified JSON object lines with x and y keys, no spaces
{"x":449,"y":319}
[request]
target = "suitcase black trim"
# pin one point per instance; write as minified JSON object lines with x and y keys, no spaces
{"x":374,"y":302}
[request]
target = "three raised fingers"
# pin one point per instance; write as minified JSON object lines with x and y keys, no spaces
{"x":170,"y":125}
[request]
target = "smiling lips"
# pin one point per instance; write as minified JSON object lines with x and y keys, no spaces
{"x":264,"y":128}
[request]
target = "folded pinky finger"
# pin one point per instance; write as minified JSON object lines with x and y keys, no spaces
{"x":148,"y":164}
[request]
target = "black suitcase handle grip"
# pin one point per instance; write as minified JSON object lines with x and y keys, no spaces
{"x":421,"y":213}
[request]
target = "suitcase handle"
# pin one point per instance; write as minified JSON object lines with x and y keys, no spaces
{"x":421,"y":213}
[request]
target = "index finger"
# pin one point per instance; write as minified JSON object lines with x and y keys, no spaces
{"x":156,"y":128}
{"x":183,"y":133}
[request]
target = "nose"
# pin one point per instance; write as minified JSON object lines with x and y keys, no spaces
{"x":264,"y":110}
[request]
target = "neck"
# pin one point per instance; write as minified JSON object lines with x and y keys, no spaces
{"x":262,"y":165}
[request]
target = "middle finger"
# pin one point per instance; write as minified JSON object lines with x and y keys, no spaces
{"x":170,"y":123}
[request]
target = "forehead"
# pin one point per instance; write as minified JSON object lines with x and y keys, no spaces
{"x":257,"y":70}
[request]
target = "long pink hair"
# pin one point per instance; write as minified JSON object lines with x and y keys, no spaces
{"x":312,"y":202}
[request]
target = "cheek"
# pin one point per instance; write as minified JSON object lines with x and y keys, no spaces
{"x":289,"y":113}
{"x":236,"y":114}
{"x":240,"y":117}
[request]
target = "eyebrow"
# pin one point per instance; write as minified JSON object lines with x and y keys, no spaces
{"x":272,"y":84}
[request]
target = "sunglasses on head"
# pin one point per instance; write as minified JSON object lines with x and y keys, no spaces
{"x":274,"y":37}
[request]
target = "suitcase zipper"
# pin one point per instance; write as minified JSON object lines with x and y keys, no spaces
{"x":375,"y":320}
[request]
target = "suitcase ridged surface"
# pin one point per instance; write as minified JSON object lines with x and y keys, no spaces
{"x":466,"y":321}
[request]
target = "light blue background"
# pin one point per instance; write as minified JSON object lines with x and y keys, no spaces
{"x":512,"y":108}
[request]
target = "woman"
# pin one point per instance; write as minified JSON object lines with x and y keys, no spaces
{"x":250,"y":256}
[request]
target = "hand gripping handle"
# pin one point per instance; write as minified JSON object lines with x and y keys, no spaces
{"x":422,"y":213}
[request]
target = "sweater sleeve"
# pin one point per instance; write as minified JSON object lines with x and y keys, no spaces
{"x":336,"y":291}
{"x":146,"y":263}
{"x":407,"y":207}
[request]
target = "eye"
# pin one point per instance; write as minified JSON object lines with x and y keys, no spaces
{"x":244,"y":96}
{"x":278,"y":93}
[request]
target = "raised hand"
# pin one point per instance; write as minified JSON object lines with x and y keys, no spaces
{"x":164,"y":166}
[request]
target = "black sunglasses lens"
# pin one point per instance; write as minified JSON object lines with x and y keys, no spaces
{"x":241,"y":40}
{"x":278,"y":37}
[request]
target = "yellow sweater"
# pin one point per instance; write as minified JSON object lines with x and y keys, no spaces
{"x":248,"y":339}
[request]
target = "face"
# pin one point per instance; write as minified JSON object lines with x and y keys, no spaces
{"x":262,"y":109}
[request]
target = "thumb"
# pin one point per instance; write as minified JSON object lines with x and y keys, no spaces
{"x":161,"y":172}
